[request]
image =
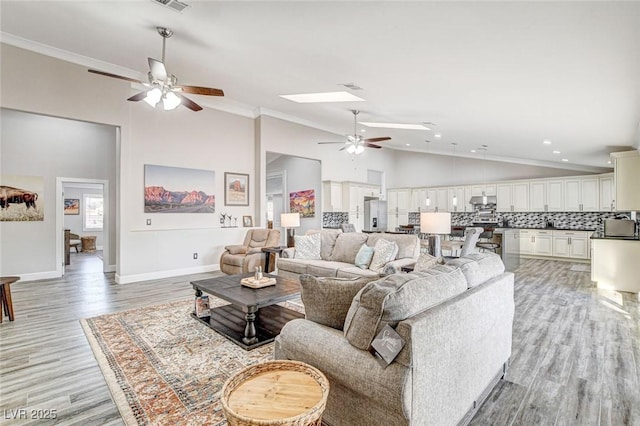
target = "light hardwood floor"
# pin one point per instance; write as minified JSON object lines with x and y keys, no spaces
{"x":576,"y":350}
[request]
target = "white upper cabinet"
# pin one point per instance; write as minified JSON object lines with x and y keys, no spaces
{"x":581,"y":195}
{"x":555,"y":200}
{"x":504,"y":197}
{"x":546,"y":196}
{"x":460,"y":201}
{"x":489,"y":189}
{"x":627,"y":176}
{"x":332,"y":197}
{"x":606,"y":193}
{"x":537,"y":196}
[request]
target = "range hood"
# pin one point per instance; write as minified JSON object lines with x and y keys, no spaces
{"x":491,"y":199}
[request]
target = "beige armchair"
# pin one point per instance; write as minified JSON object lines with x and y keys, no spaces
{"x":243,"y":258}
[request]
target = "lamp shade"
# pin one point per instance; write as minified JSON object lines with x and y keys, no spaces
{"x":435,"y":223}
{"x":289,"y":220}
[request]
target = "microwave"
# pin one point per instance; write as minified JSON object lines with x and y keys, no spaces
{"x":619,"y":228}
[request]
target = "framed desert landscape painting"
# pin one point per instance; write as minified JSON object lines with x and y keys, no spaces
{"x":236,"y":189}
{"x":303,"y":202}
{"x":71,"y":206}
{"x":178,"y":190}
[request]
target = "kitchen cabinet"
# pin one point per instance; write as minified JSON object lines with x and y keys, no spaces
{"x":511,"y":241}
{"x":512,"y":197}
{"x":627,"y":176}
{"x":332,"y":197}
{"x":353,"y":196}
{"x":488,"y":189}
{"x":581,"y":195}
{"x":397,"y":207}
{"x":606,"y":193}
{"x":573,"y":244}
{"x":546,"y":196}
{"x":535,"y":242}
{"x":418,"y":200}
{"x":442,"y":202}
{"x":461,"y":201}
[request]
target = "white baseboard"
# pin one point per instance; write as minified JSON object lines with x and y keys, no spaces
{"x":110,"y":268}
{"x":39,"y":276}
{"x":127,"y":279}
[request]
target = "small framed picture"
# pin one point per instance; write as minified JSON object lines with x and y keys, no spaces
{"x":236,"y":189}
{"x":247,"y":221}
{"x":71,"y":206}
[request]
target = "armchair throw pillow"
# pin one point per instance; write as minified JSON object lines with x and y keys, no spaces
{"x":327,"y":300}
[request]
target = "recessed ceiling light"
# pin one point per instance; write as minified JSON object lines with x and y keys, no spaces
{"x":473,"y":150}
{"x":363,"y":130}
{"x":395,"y":125}
{"x":556,"y":152}
{"x":437,"y":135}
{"x":305,"y":98}
{"x":565,"y":160}
{"x":546,"y":142}
{"x":407,"y":144}
{"x":609,"y":162}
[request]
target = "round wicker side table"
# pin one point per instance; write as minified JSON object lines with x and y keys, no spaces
{"x":275,"y":393}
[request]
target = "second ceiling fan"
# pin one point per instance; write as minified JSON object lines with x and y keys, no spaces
{"x":355,"y":144}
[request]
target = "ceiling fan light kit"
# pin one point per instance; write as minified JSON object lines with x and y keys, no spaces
{"x":355,"y":143}
{"x":163,"y":86}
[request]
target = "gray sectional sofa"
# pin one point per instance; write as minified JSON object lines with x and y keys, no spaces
{"x":338,"y":252}
{"x":456,"y":320}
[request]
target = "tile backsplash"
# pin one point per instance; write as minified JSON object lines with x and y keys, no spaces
{"x":563,"y":220}
{"x":334,"y":219}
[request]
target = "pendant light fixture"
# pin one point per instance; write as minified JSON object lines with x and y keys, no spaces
{"x":455,"y":198}
{"x":484,"y":173}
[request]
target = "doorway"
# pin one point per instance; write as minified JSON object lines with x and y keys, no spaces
{"x":83,"y":209}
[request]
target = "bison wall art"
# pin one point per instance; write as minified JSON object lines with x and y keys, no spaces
{"x":21,"y":198}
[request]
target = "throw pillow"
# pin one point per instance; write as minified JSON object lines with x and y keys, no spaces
{"x":327,"y":300}
{"x":364,"y":256}
{"x":383,"y":252}
{"x":307,"y":246}
{"x":426,"y":261}
{"x":347,"y":246}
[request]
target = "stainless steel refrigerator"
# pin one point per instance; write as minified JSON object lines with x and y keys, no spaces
{"x":375,"y":215}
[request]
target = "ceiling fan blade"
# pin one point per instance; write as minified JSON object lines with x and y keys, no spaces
{"x":189,"y":103}
{"x":196,"y":90}
{"x":107,"y":74}
{"x":158,"y":70}
{"x":370,"y":145}
{"x":138,"y":97}
{"x":377,"y":139}
{"x":322,"y":143}
{"x":343,"y":148}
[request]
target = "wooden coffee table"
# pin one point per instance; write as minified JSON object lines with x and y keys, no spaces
{"x":252,"y":318}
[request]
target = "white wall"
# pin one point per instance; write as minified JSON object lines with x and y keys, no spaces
{"x":207,"y":139}
{"x":37,"y":145}
{"x":418,"y":169}
{"x":302,"y":174}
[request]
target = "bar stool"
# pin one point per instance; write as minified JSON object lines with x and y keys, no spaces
{"x":486,"y":244}
{"x":5,"y":296}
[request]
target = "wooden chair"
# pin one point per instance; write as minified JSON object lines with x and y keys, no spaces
{"x":74,"y":241}
{"x":5,"y":296}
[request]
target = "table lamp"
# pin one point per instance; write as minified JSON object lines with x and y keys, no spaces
{"x":435,"y":224}
{"x":290,"y":221}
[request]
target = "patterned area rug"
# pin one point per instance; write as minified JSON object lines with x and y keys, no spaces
{"x":163,"y":367}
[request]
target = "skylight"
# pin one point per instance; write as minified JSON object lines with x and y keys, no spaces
{"x":305,"y":98}
{"x":395,"y":125}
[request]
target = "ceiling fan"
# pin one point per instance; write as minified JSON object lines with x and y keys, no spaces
{"x":355,"y":143}
{"x":163,"y":86}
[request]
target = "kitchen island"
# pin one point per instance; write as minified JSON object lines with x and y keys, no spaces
{"x":615,"y":262}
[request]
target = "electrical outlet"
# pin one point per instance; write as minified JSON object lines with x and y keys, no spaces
{"x":148,"y":221}
{"x":195,"y":256}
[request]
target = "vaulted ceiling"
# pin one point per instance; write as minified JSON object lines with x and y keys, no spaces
{"x":503,"y":74}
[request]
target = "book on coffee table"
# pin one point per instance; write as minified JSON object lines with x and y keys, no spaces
{"x":202,"y":306}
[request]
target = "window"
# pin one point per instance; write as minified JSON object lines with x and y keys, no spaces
{"x":93,"y":212}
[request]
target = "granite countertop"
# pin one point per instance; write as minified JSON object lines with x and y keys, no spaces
{"x":599,"y":235}
{"x":506,"y":228}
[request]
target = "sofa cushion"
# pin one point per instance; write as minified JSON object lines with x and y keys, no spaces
{"x":398,"y":297}
{"x":327,"y":300}
{"x":328,"y":239}
{"x":383,"y":252}
{"x":347,"y":246}
{"x":351,"y":271}
{"x":364,"y":256}
{"x":297,"y":266}
{"x":307,"y":246}
{"x":408,"y":244}
{"x":478,"y":267}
